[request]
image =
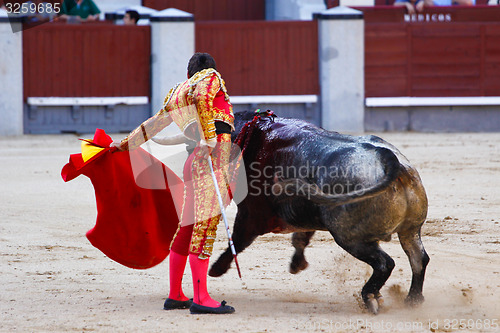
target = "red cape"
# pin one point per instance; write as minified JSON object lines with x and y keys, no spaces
{"x":135,"y":223}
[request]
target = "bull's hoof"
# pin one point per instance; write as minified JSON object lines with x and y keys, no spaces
{"x":374,"y":303}
{"x":296,"y":267}
{"x":414,"y":300}
{"x":371,"y":303}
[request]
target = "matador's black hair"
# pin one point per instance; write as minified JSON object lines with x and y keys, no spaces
{"x":200,"y":61}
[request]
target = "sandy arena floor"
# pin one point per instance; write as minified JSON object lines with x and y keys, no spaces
{"x":53,"y":280}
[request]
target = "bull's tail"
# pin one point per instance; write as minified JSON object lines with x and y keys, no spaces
{"x":300,"y":187}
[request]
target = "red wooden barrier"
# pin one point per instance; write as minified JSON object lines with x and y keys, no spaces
{"x":446,"y":60}
{"x":386,"y":60}
{"x":454,"y":57}
{"x":211,"y":10}
{"x":441,"y":54}
{"x":262,"y":57}
{"x":86,"y":60}
{"x":490,"y":70}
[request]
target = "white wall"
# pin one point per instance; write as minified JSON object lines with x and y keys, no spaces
{"x":357,"y":3}
{"x":107,"y":6}
{"x":341,"y":69}
{"x":282,"y":10}
{"x":11,"y":79}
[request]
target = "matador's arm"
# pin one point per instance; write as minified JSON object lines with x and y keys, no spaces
{"x":146,"y":130}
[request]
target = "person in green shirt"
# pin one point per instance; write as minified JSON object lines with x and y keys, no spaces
{"x":83,"y":10}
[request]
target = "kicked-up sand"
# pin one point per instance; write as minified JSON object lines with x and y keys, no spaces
{"x":53,"y":280}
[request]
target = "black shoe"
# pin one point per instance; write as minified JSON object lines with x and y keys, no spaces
{"x":172,"y":304}
{"x":200,"y":309}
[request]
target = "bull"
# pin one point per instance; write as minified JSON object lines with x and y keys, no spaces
{"x":302,"y":178}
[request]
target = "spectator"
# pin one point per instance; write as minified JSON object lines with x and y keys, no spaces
{"x":450,"y":2}
{"x":414,"y":6}
{"x":81,"y":10}
{"x":131,"y":17}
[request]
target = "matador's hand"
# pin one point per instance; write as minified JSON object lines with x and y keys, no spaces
{"x":205,"y":150}
{"x":116,"y":145}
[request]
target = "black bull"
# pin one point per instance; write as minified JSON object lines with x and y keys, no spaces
{"x":361,"y":189}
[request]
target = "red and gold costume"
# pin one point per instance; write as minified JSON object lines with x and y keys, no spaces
{"x":195,"y":105}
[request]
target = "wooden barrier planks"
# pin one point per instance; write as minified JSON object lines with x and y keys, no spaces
{"x":263,"y":57}
{"x":456,"y":56}
{"x":491,"y":63}
{"x":386,"y":60}
{"x":213,"y":10}
{"x":94,"y":60}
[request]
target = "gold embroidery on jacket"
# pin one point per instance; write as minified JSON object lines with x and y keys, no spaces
{"x":189,"y":102}
{"x":207,"y":210}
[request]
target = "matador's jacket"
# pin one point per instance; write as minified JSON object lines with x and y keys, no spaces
{"x":195,"y":106}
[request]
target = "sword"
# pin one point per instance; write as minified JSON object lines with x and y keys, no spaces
{"x":223,"y":213}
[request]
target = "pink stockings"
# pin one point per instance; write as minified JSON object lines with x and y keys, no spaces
{"x":177,"y":264}
{"x":179,"y":251}
{"x":199,"y":269}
